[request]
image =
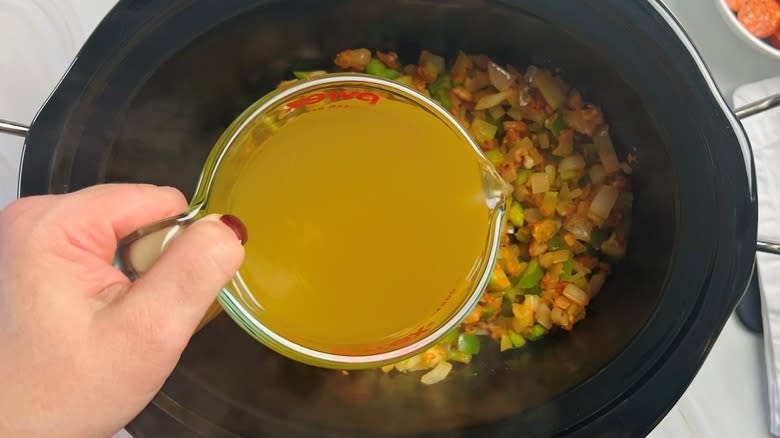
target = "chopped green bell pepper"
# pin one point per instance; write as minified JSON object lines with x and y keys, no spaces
{"x":459,"y":356}
{"x":444,"y":100}
{"x":536,"y":333}
{"x":566,"y":271}
{"x":556,"y":242}
{"x":377,"y":68}
{"x":483,"y":130}
{"x":522,"y":236}
{"x":506,"y":306}
{"x":305,"y":74}
{"x":440,"y":91}
{"x":498,"y":279}
{"x":516,"y":215}
{"x":495,"y":156}
{"x":505,"y":343}
{"x":522,"y":176}
{"x":451,"y":337}
{"x":405,"y":80}
{"x":532,"y":276}
{"x":557,"y":125}
{"x":468,"y":343}
{"x":536,"y":290}
{"x":517,"y":340}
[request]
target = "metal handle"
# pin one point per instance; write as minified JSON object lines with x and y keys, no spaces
{"x":758,"y":106}
{"x":768,"y":247}
{"x":12,"y":128}
{"x":742,"y":113}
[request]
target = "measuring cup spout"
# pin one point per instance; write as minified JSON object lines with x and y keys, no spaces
{"x":497,"y":191}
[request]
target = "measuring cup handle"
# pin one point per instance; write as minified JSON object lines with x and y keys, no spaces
{"x":137,"y":252}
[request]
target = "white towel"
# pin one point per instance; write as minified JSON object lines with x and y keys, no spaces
{"x":764,"y":133}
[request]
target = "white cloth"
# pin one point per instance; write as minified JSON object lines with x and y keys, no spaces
{"x":764,"y":133}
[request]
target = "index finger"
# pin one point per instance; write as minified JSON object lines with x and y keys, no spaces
{"x":120,"y":209}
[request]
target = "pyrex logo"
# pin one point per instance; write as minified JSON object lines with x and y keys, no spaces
{"x":332,"y":96}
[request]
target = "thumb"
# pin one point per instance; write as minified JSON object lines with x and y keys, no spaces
{"x":169,"y":300}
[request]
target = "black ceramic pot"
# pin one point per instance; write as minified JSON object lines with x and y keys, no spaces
{"x":159,"y":80}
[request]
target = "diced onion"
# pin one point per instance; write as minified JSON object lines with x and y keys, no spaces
{"x":438,"y":61}
{"x":550,"y":171}
{"x":508,"y":172}
{"x":437,"y":374}
{"x":534,"y":114}
{"x":479,"y":331}
{"x":478,"y":115}
{"x":558,"y":316}
{"x":500,"y":78}
{"x":410,"y":364}
{"x":597,"y":174}
{"x":613,"y":248}
{"x":597,"y":282}
{"x":515,"y":114}
{"x":563,"y":194}
{"x":540,"y":182}
{"x":572,"y":162}
{"x":606,"y":151}
{"x":550,"y":87}
{"x":602,"y":204}
{"x":478,"y":82}
{"x":492,"y":100}
{"x":579,"y":248}
{"x":543,"y":315}
{"x":530,"y":73}
{"x":574,"y":101}
{"x":544,"y":140}
{"x":579,"y":267}
{"x":580,"y":227}
{"x":532,"y":214}
{"x":575,"y":294}
{"x":551,"y":257}
{"x":522,"y":95}
{"x":533,"y":302}
{"x":496,"y":113}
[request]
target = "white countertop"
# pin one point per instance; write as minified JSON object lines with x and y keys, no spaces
{"x":39,"y":38}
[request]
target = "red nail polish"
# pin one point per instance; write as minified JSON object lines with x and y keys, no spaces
{"x":237,"y":226}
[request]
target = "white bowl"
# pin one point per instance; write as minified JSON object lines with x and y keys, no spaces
{"x":746,"y":36}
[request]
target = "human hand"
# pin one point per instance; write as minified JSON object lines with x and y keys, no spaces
{"x":82,"y":349}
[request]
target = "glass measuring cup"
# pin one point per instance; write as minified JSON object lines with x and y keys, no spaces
{"x":336,"y":97}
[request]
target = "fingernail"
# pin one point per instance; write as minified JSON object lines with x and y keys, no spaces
{"x":237,"y":226}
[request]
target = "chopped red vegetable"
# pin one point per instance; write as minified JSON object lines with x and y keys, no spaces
{"x":734,"y":5}
{"x":760,"y":17}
